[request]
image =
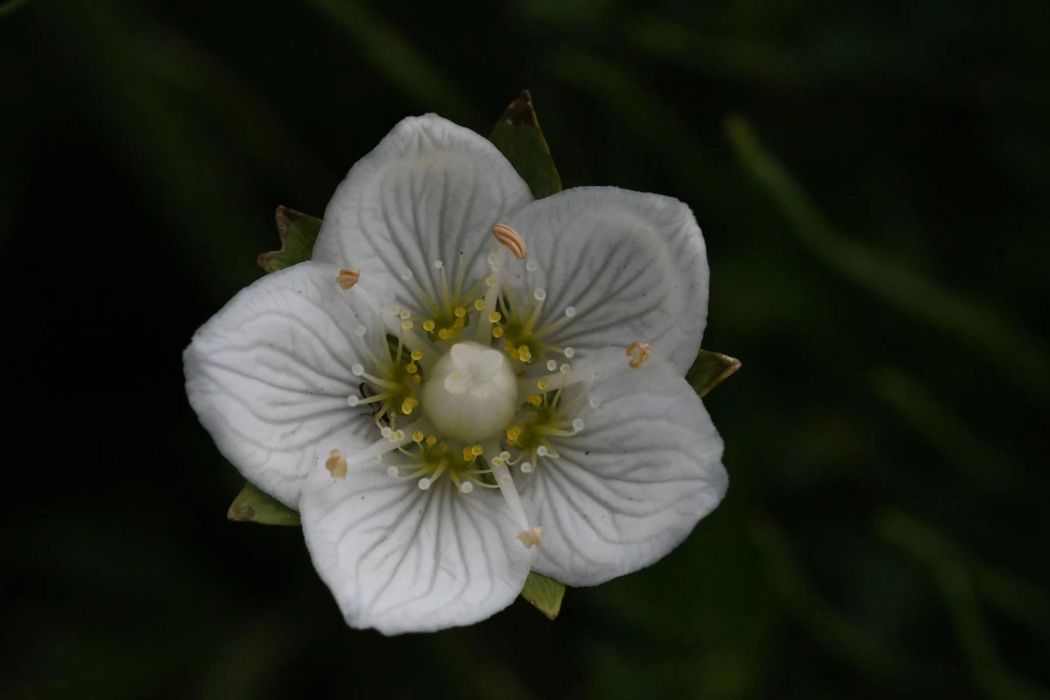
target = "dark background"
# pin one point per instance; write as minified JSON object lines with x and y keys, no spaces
{"x":885,"y":530}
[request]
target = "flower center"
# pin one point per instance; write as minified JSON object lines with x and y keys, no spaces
{"x":496,"y":392}
{"x":471,"y":393}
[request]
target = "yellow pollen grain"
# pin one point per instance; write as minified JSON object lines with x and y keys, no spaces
{"x":459,"y":312}
{"x":497,"y":331}
{"x":477,"y":450}
{"x":416,"y":356}
{"x":406,"y":325}
{"x":460,"y":322}
{"x":411,"y":368}
{"x":429,"y":325}
{"x":444,"y":334}
{"x":534,"y":399}
{"x":543,"y":385}
{"x":524,"y":354}
{"x":431,"y":440}
{"x":416,"y":379}
{"x":417,"y":437}
{"x":468,"y":454}
{"x":479,"y":303}
{"x":494,"y":317}
{"x":409,"y":405}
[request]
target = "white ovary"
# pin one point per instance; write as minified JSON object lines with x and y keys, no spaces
{"x":471,"y":393}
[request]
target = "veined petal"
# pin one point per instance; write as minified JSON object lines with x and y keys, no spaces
{"x":627,"y":489}
{"x":269,"y":375}
{"x":430,"y":191}
{"x":400,"y":559}
{"x":633,"y":266}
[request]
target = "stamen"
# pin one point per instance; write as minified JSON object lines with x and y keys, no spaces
{"x":336,"y":465}
{"x":639,"y":352}
{"x":347,"y":278}
{"x":353,"y":400}
{"x":484,"y":328}
{"x":511,"y":240}
{"x":506,"y":486}
{"x":391,"y":440}
{"x":531,"y":537}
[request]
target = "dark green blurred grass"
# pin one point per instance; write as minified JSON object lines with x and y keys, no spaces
{"x":872,"y":183}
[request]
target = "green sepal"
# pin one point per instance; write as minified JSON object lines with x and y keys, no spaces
{"x":709,"y":370}
{"x":519,"y":137}
{"x":298,"y":232}
{"x":544,"y":593}
{"x":254,"y":506}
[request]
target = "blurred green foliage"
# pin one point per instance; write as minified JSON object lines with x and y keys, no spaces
{"x":872,"y":182}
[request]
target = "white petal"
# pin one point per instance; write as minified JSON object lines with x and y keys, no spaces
{"x":633,"y":265}
{"x":431,"y":190}
{"x":628,"y":489}
{"x":269,"y":375}
{"x":401,"y":559}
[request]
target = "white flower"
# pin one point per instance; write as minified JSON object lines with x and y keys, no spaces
{"x":464,"y":384}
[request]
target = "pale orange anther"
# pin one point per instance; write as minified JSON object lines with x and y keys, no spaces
{"x":639,"y":352}
{"x":348,"y":278}
{"x":336,"y":464}
{"x":531,"y":537}
{"x":511,"y":239}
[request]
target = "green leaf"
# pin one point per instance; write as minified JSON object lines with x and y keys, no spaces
{"x":975,"y":322}
{"x":298,"y":232}
{"x":11,"y":6}
{"x":254,"y":506}
{"x":709,"y":370}
{"x":544,"y":593}
{"x":518,"y":136}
